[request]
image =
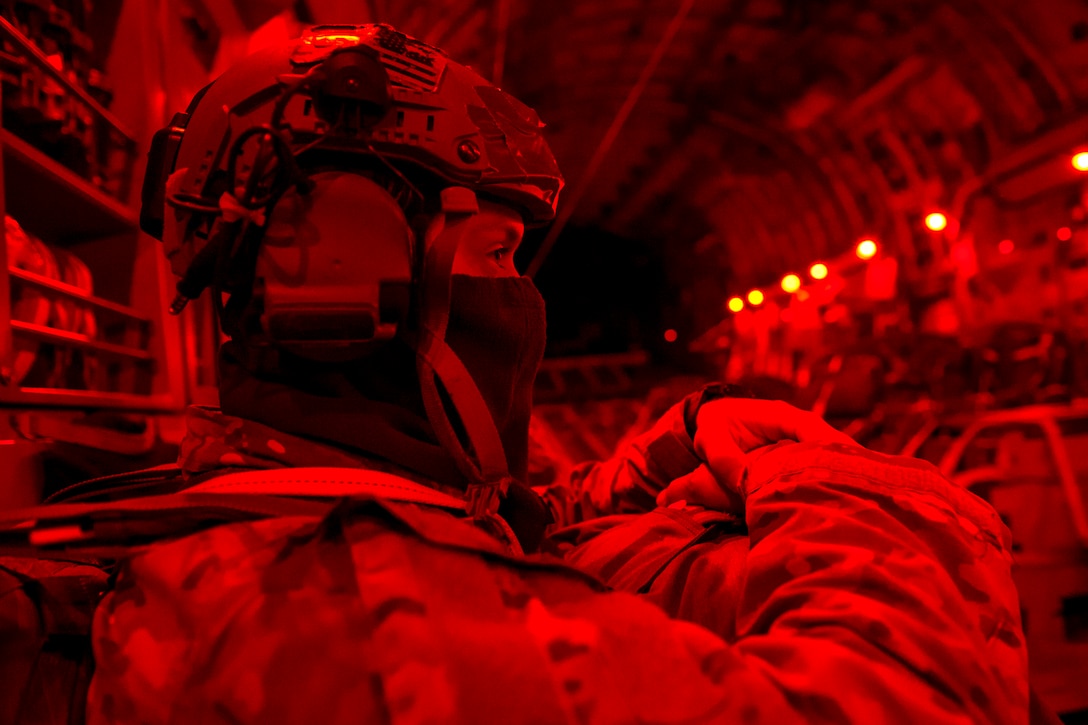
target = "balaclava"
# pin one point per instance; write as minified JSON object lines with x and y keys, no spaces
{"x":497,"y":329}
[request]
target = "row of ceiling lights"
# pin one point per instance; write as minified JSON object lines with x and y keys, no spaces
{"x":866,"y":249}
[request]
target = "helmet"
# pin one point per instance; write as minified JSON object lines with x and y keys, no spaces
{"x":339,"y":96}
{"x":365,"y":90}
{"x":354,"y":131}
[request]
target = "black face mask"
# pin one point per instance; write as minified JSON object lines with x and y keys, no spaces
{"x":497,"y":329}
{"x":374,"y":406}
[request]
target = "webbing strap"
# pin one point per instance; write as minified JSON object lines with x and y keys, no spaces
{"x":333,"y":482}
{"x":437,"y":359}
{"x":235,"y":491}
{"x":489,"y":475}
{"x":114,"y":520}
{"x":235,"y":496}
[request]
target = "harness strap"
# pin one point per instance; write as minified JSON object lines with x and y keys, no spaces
{"x":327,"y":482}
{"x":234,"y":496}
{"x":488,"y":476}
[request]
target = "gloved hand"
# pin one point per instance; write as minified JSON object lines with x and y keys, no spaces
{"x":728,"y":429}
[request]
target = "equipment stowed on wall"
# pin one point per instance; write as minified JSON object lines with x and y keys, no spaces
{"x":88,"y":356}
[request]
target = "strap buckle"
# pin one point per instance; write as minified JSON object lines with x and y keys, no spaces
{"x":482,"y":499}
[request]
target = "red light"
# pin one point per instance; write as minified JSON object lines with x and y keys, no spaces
{"x":755,"y":297}
{"x":962,"y":254}
{"x":791,"y":283}
{"x":818,"y":270}
{"x":1065,"y":234}
{"x":736,"y":304}
{"x":670,"y":335}
{"x":1080,"y":161}
{"x":866,"y":249}
{"x":936,"y":221}
{"x":56,"y":60}
{"x":1006,"y":246}
{"x":327,"y":38}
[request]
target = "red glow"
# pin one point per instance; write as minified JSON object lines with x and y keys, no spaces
{"x":1006,"y":246}
{"x":670,"y":335}
{"x":866,"y":249}
{"x":1065,"y":234}
{"x":333,"y":37}
{"x":936,"y":221}
{"x":836,"y":313}
{"x":818,"y":270}
{"x":276,"y":32}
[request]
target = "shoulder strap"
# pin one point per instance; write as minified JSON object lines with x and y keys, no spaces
{"x":488,"y":475}
{"x":117,"y":481}
{"x":140,"y":519}
{"x":234,"y":496}
{"x":327,"y":482}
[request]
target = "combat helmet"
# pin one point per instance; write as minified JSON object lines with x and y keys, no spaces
{"x":359,"y":129}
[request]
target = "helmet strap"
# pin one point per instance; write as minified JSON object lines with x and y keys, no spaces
{"x":488,"y":476}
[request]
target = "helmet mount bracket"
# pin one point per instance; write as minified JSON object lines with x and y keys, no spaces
{"x":351,"y":88}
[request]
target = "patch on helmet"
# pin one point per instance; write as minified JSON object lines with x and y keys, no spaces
{"x":411,"y":63}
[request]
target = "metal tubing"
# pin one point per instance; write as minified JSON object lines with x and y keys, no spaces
{"x":578,"y":192}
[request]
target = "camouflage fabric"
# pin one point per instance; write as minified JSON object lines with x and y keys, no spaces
{"x":215,"y":442}
{"x":627,"y":483}
{"x":687,"y":560}
{"x":871,"y":590}
{"x":694,"y":563}
{"x":46,"y":608}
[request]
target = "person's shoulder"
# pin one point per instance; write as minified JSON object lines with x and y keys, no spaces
{"x":167,"y":478}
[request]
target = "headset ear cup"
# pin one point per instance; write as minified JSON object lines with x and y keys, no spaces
{"x":334,"y":269}
{"x":160,"y":166}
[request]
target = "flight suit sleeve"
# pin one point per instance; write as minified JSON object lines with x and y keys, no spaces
{"x":630,"y":480}
{"x":876,"y":591}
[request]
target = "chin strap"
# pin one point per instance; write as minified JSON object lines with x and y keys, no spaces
{"x":488,"y":476}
